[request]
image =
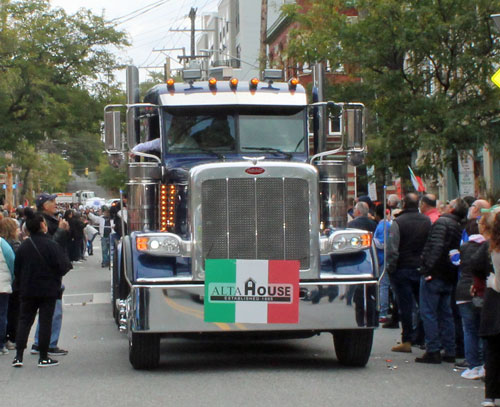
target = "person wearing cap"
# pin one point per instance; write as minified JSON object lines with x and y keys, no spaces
{"x":105,"y":227}
{"x":58,"y":230}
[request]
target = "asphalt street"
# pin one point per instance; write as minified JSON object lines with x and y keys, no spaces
{"x":302,"y":372}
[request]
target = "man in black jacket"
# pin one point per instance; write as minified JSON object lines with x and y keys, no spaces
{"x":437,"y":283}
{"x":361,"y":219}
{"x":407,"y":237}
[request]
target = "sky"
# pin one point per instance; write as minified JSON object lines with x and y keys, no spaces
{"x":148,"y":24}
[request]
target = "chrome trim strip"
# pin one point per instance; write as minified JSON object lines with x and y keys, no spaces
{"x":301,"y":284}
{"x":161,"y":280}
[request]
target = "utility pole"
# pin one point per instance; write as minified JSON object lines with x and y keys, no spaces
{"x":192,"y":16}
{"x":263,"y":31}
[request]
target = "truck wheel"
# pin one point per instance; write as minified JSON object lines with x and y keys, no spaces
{"x":144,"y":350}
{"x":353,"y":346}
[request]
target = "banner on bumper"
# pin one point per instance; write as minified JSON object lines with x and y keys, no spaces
{"x":252,"y":291}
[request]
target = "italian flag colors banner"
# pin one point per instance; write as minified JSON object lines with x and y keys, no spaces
{"x":252,"y":291}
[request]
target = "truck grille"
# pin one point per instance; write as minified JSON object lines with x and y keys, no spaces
{"x":256,"y":218}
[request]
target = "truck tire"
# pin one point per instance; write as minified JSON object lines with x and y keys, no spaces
{"x":353,"y":346}
{"x":144,"y":350}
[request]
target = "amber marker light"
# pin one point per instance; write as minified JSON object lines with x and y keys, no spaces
{"x":292,"y":83}
{"x":142,"y":243}
{"x":163,"y":208}
{"x":253,"y":83}
{"x":168,"y":194}
{"x":212,"y":83}
{"x":170,"y":84}
{"x":233,"y":83}
{"x":366,"y":240}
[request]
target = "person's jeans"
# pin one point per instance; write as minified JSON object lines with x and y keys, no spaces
{"x":105,"y":250}
{"x":405,"y":283}
{"x":436,"y":314}
{"x":4,"y":307}
{"x":114,"y":238}
{"x":473,"y":344}
{"x":384,"y":295}
{"x":56,"y":326}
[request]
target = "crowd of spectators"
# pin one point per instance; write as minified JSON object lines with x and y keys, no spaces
{"x":38,"y":246}
{"x":440,"y":265}
{"x":440,"y":280}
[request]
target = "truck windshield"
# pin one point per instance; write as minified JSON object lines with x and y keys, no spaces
{"x":232,"y":129}
{"x":279,"y":131}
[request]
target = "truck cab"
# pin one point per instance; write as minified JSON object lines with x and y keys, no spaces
{"x":232,"y":192}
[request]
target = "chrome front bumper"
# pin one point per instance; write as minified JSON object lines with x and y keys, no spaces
{"x":179,"y":308}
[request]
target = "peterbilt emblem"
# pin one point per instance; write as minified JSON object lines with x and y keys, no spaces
{"x":255,"y":170}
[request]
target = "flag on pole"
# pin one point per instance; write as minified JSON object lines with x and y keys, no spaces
{"x":416,"y":181}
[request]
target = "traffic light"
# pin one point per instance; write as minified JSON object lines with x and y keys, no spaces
{"x":86,"y":172}
{"x":69,"y":172}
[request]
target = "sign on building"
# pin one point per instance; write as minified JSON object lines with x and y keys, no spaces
{"x":466,"y":184}
{"x":372,"y":186}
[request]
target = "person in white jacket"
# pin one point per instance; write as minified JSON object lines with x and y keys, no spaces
{"x":6,"y":278}
{"x":105,"y":227}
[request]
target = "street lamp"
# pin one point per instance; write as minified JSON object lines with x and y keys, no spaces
{"x":496,"y":19}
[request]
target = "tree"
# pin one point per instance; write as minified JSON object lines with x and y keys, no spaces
{"x":40,"y":171}
{"x":110,"y":177}
{"x":53,"y":68}
{"x":424,"y":67}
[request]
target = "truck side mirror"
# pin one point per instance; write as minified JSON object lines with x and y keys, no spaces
{"x":112,"y":131}
{"x":353,"y":126}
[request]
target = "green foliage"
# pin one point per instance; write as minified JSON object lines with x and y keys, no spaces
{"x":110,"y":177}
{"x":55,"y":78}
{"x":54,"y":71}
{"x":422,"y":68}
{"x":40,"y":171}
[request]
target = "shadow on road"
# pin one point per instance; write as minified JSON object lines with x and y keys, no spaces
{"x":188,"y":356}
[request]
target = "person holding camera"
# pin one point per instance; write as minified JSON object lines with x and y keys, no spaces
{"x":58,"y":229}
{"x":39,"y":266}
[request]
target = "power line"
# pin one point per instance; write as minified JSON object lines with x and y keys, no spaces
{"x":157,"y":3}
{"x":153,"y":6}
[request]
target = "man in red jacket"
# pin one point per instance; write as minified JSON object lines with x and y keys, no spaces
{"x":428,"y":207}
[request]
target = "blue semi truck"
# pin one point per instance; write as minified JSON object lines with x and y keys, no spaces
{"x":232,"y":189}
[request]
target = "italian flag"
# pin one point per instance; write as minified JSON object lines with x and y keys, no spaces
{"x":416,"y":181}
{"x":252,"y":291}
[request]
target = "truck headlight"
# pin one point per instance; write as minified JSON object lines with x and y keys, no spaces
{"x":163,"y":244}
{"x":346,"y":241}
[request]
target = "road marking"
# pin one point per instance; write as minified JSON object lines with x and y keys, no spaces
{"x":87,"y":298}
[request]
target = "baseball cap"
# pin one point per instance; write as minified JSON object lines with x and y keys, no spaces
{"x":44,"y":197}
